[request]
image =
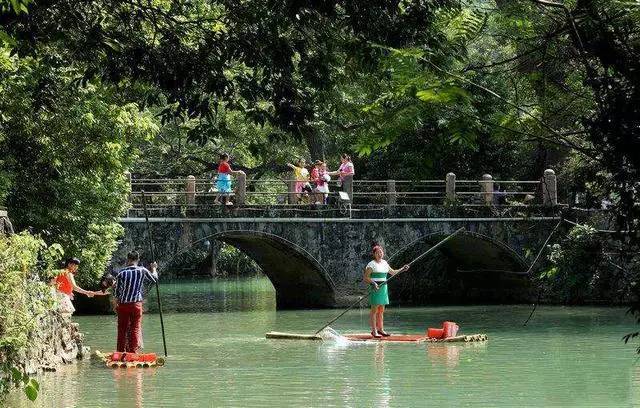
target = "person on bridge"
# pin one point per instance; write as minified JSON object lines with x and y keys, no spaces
{"x":321,"y":177}
{"x":129,"y":287}
{"x":346,"y":169}
{"x":223,"y":182}
{"x":375,"y":275}
{"x":301,"y":175}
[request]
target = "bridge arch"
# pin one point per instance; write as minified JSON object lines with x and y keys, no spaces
{"x":471,"y":251}
{"x":473,"y":266}
{"x":299,"y":279}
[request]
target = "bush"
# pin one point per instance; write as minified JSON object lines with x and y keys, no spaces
{"x":26,"y":265}
{"x":232,"y":261}
{"x":577,"y":272}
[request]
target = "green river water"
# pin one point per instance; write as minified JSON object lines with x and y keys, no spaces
{"x":218,"y":356}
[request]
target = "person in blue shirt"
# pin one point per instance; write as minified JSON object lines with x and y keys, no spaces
{"x":129,"y":294}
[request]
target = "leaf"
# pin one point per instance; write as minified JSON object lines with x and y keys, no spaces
{"x":113,"y":44}
{"x":35,"y":384}
{"x":16,"y":374}
{"x":428,"y":95}
{"x":444,"y":94}
{"x":7,"y":39}
{"x":402,"y":52}
{"x":31,"y":392}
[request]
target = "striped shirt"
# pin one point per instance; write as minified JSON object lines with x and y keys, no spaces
{"x":130,"y":283}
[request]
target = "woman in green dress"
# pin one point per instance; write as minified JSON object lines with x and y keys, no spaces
{"x":375,"y":275}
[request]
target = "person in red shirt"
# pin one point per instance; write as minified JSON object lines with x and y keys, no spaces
{"x":223,"y":182}
{"x":65,"y":285}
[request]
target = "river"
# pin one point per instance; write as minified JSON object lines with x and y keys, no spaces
{"x":218,"y":356}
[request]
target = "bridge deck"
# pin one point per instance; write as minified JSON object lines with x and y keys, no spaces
{"x":353,"y":212}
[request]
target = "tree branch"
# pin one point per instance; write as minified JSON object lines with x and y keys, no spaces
{"x":542,"y":123}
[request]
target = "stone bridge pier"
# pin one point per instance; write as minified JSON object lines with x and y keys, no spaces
{"x":319,"y":262}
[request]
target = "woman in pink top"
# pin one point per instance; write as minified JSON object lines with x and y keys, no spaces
{"x":346,"y":168}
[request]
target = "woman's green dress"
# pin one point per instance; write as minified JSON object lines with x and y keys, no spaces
{"x":379,"y":273}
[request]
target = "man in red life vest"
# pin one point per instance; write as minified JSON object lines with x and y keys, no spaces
{"x":129,"y":287}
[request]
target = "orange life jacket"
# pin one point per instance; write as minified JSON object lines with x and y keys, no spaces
{"x":63,"y":283}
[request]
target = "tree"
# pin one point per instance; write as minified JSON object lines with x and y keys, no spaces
{"x":272,"y":61}
{"x":66,"y":150}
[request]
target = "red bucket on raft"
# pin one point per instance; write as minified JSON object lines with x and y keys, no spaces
{"x":435,"y":333}
{"x":449,"y":329}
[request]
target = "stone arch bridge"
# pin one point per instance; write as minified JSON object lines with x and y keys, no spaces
{"x":318,"y":262}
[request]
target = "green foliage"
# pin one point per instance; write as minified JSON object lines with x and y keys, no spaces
{"x":461,"y":27}
{"x":277,"y":62}
{"x":173,"y":152}
{"x":231,"y":261}
{"x":65,"y":154}
{"x":26,"y":263}
{"x":577,"y":264}
{"x":15,"y":6}
{"x":11,"y":376}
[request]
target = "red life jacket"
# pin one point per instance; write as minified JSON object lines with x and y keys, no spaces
{"x":63,"y":283}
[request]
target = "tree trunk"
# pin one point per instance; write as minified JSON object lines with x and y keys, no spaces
{"x":314,"y":142}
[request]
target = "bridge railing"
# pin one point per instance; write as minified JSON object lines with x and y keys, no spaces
{"x":191,"y":191}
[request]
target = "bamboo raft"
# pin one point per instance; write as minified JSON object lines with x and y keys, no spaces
{"x":106,"y":358}
{"x":417,"y":338}
{"x":396,"y":338}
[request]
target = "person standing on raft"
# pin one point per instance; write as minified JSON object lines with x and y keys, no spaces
{"x":375,"y":275}
{"x":129,"y":286}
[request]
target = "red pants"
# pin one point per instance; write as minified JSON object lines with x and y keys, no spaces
{"x":129,"y":326}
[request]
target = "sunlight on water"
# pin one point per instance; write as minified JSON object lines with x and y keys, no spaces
{"x":564,"y":357}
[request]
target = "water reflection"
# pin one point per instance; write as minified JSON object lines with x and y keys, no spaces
{"x":444,"y":355}
{"x":449,"y":354}
{"x":383,"y":386}
{"x":379,"y":357}
{"x":129,"y":385}
{"x":635,"y":383}
{"x":57,"y":389}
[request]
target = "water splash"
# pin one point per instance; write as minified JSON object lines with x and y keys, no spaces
{"x":329,"y":334}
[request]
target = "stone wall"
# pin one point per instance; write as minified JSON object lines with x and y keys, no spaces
{"x":5,"y":223}
{"x":56,"y":341}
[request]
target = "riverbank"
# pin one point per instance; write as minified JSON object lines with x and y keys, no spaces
{"x":57,"y":340}
{"x":34,"y":336}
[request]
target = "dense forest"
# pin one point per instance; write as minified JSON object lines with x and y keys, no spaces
{"x":411,"y":88}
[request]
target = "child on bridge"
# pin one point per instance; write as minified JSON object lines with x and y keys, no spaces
{"x":223,"y":182}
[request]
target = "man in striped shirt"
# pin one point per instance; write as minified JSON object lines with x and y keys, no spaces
{"x":129,"y":287}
